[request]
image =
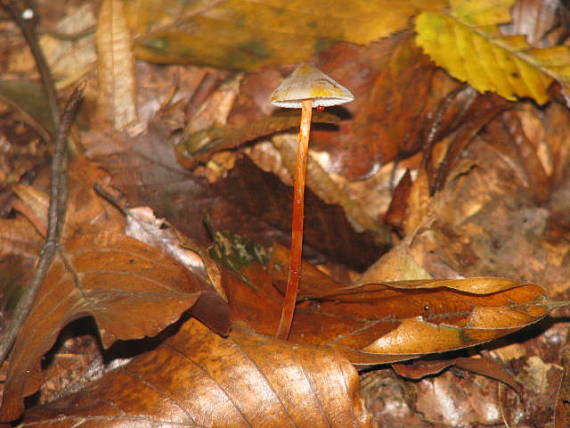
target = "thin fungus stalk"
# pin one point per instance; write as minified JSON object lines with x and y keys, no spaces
{"x":305,"y":88}
{"x":297,"y":221}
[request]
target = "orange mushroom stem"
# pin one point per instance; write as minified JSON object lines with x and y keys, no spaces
{"x":306,"y":87}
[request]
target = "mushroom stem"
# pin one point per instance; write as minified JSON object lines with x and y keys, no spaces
{"x":297,"y":221}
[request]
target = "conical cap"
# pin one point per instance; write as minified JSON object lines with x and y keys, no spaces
{"x":308,"y":82}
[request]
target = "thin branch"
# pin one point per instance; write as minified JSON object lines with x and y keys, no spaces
{"x":56,"y":217}
{"x":25,"y":15}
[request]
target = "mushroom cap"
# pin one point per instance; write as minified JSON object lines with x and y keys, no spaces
{"x":308,"y":82}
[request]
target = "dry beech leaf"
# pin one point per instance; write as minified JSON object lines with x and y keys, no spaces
{"x":386,"y":322}
{"x":116,"y":66}
{"x":198,"y":379}
{"x":132,"y":290}
{"x":484,"y":366}
{"x":320,"y":182}
{"x":18,"y":236}
{"x":199,"y":146}
{"x":246,"y":35}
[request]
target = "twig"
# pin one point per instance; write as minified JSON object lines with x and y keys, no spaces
{"x":56,"y":217}
{"x":25,"y":16}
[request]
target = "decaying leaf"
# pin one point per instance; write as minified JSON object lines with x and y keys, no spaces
{"x":386,"y":322}
{"x":199,"y":146}
{"x":245,"y":34}
{"x":116,"y":67}
{"x":132,"y":290}
{"x":484,"y":366}
{"x":29,"y":99}
{"x":198,"y":379}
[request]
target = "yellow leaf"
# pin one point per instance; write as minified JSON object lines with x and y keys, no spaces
{"x":248,"y":34}
{"x":488,"y":61}
{"x":482,"y":12}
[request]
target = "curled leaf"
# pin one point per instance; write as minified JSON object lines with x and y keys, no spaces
{"x":199,"y":146}
{"x":116,"y":66}
{"x":387,"y":322}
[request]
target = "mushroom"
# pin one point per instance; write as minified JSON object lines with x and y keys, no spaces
{"x":305,"y":88}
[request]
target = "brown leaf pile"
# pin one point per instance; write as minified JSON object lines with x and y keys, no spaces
{"x":424,"y":196}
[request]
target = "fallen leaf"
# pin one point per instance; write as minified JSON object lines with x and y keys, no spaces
{"x":116,"y":66}
{"x":199,"y":146}
{"x":385,"y":322}
{"x":131,"y":289}
{"x":197,"y":378}
{"x":507,"y":65}
{"x":245,"y":34}
{"x":484,"y":366}
{"x":28,"y":97}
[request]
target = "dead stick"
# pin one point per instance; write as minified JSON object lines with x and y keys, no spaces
{"x":28,"y":28}
{"x":56,"y":217}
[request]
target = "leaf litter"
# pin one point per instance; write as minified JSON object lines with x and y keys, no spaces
{"x":484,"y":194}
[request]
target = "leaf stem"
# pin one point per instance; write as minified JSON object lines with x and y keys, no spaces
{"x":296,"y":222}
{"x":16,"y":10}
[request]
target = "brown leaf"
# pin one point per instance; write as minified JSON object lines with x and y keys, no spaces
{"x":480,"y":112}
{"x":509,"y":138}
{"x":397,"y":91}
{"x":18,"y":236}
{"x":255,"y":194}
{"x":197,"y":378}
{"x":116,"y":66}
{"x":199,"y":146}
{"x":484,"y":366}
{"x":397,"y":211}
{"x":386,"y":322}
{"x":563,"y":399}
{"x":131,"y":290}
